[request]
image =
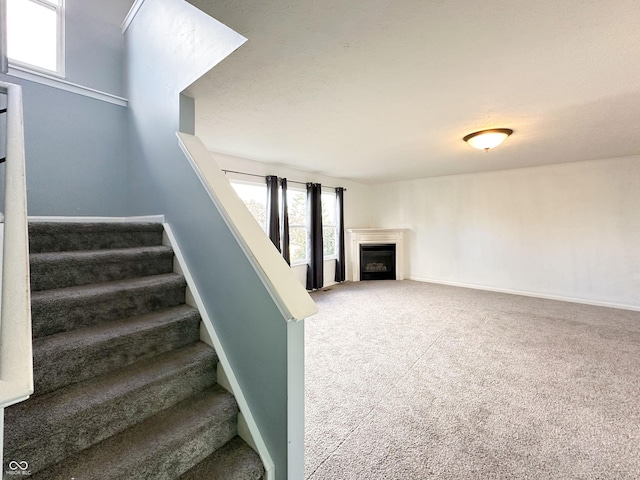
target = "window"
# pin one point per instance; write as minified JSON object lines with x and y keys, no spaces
{"x":297,"y":206}
{"x":254,"y":197}
{"x":329,"y":225}
{"x":35,"y":34}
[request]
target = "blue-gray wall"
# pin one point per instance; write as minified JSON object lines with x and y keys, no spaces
{"x":169,"y":45}
{"x":76,"y":152}
{"x":95,"y":44}
{"x":76,"y":147}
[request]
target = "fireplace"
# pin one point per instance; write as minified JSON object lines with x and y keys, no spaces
{"x":378,"y":262}
{"x":388,"y":239}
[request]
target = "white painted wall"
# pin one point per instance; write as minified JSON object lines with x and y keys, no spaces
{"x":357,"y":210}
{"x":570,"y":230}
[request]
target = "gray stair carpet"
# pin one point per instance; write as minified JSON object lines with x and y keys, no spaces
{"x":124,"y":388}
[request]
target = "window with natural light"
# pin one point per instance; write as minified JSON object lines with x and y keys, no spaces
{"x":329,"y":225}
{"x":35,"y":34}
{"x":297,"y":207}
{"x":254,"y":197}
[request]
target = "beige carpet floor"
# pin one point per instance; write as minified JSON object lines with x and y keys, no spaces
{"x":409,"y":380}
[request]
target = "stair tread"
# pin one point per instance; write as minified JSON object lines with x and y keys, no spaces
{"x":64,"y":309}
{"x":98,"y":256}
{"x":235,"y":460}
{"x":87,"y":351}
{"x":103,"y":332}
{"x":25,"y":420}
{"x":166,"y":435}
{"x":54,"y":270}
{"x":106,"y":288}
{"x":62,"y":236}
{"x":86,"y":227}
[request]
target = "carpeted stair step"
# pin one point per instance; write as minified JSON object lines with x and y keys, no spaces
{"x":64,"y":309}
{"x":161,"y":447}
{"x":234,"y":461}
{"x":76,"y":355}
{"x":67,"y":269}
{"x":46,"y":429}
{"x":124,"y":388}
{"x":60,"y":236}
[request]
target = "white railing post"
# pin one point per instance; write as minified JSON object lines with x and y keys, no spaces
{"x":16,"y":363}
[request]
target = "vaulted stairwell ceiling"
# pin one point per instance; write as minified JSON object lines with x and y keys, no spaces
{"x":380,"y":90}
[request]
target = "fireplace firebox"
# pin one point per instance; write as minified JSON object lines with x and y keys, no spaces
{"x":378,"y":262}
{"x":359,"y":237}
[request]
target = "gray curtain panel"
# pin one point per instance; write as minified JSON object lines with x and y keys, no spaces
{"x":273,"y":223}
{"x":284,"y":221}
{"x":315,"y":272}
{"x":340,"y":246}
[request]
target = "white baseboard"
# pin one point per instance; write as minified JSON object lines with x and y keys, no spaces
{"x":560,"y":298}
{"x":131,"y":15}
{"x":144,"y":218}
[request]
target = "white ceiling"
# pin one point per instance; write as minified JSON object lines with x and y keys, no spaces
{"x":381,"y":90}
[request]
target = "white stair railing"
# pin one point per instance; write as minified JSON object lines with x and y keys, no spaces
{"x":289,"y":295}
{"x":16,"y":363}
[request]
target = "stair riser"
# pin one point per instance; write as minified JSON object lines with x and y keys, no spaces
{"x":64,"y":314}
{"x":70,"y":434}
{"x":61,"y":274}
{"x":58,"y":368}
{"x":62,"y":237}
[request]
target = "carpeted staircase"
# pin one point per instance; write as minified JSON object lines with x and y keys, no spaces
{"x":124,"y":388}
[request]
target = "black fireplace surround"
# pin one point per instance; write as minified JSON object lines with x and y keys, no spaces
{"x":378,"y":262}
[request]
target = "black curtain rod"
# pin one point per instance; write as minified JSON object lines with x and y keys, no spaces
{"x":263,"y":176}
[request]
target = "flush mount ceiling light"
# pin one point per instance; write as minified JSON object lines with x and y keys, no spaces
{"x":487,"y":139}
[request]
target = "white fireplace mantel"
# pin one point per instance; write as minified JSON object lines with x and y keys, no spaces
{"x":381,"y":236}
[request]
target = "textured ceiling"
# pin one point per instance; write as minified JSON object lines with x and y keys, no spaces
{"x":376,"y":91}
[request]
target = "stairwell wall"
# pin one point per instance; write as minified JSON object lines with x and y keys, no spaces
{"x":169,"y":45}
{"x":76,"y":153}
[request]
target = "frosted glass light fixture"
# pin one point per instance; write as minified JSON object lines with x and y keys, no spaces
{"x":487,"y":139}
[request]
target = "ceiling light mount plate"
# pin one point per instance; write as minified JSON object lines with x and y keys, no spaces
{"x":487,"y":139}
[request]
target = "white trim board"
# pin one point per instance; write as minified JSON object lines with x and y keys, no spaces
{"x":143,"y":218}
{"x":529,"y":294}
{"x":131,"y":15}
{"x":292,"y":300}
{"x":60,"y":84}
